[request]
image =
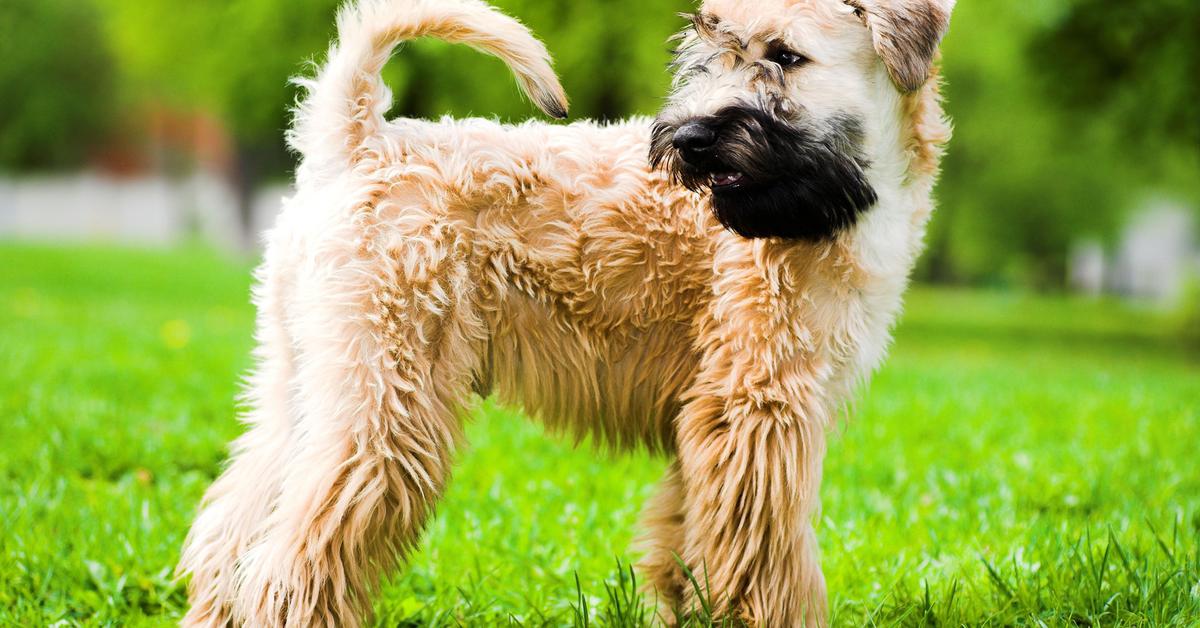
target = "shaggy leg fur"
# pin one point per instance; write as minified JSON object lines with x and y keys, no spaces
{"x":752,"y":442}
{"x":662,"y":542}
{"x":243,"y":496}
{"x":354,"y":411}
{"x":385,"y":360}
{"x":233,"y":510}
{"x":748,"y":502}
{"x":749,"y":497}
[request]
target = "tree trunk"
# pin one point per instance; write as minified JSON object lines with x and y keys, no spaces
{"x":246,"y":176}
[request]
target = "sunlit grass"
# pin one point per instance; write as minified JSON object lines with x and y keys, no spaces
{"x":1018,"y":461}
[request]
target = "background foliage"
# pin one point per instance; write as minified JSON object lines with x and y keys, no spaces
{"x":56,"y":74}
{"x":1068,"y":112}
{"x":1021,"y":460}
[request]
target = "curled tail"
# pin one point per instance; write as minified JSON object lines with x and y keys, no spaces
{"x":347,"y":100}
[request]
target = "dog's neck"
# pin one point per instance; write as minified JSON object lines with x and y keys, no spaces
{"x":907,"y":140}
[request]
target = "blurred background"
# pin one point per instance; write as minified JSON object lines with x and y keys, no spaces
{"x":1042,"y":386}
{"x":1075,"y":165}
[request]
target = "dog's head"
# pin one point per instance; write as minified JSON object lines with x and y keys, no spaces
{"x":776,"y":101}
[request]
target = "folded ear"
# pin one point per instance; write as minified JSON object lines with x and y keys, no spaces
{"x":906,"y":34}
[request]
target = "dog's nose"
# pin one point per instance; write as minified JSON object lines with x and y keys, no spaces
{"x":694,"y":137}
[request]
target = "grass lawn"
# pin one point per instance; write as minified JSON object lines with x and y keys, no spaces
{"x":1019,"y":460}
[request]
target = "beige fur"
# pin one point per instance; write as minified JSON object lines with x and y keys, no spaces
{"x":422,"y":262}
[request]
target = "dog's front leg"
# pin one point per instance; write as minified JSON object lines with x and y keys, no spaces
{"x":750,"y":453}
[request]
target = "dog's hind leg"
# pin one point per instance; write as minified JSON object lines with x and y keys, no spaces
{"x":237,"y":503}
{"x":386,"y":351}
{"x":233,"y":510}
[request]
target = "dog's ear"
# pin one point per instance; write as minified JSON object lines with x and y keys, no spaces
{"x":906,"y":34}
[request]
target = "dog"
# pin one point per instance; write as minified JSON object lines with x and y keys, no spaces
{"x":711,"y":284}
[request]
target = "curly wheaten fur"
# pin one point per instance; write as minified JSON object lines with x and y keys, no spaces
{"x":423,"y":263}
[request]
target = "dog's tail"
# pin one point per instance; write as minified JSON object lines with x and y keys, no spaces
{"x":346,"y":102}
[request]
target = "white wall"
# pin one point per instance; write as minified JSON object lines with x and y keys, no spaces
{"x":151,"y":210}
{"x":1157,"y":254}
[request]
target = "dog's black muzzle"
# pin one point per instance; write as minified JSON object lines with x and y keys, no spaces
{"x":769,"y":177}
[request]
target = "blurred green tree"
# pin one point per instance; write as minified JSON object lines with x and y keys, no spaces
{"x":1135,"y":65}
{"x":1065,"y":110}
{"x":1018,"y":188}
{"x":234,"y":58}
{"x":230,"y":58}
{"x":56,"y":82}
{"x":1140,"y":60}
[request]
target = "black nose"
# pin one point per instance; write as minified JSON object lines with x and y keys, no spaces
{"x":694,"y":137}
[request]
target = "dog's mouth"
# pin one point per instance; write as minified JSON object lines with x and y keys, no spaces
{"x":727,"y":181}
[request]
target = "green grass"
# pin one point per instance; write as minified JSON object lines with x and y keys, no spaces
{"x":1019,"y":460}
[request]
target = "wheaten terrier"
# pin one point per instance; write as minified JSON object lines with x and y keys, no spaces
{"x":711,"y":284}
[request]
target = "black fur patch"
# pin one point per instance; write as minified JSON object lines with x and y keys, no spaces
{"x":800,"y":184}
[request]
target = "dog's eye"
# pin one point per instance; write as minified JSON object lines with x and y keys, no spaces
{"x":785,"y":57}
{"x":859,"y":12}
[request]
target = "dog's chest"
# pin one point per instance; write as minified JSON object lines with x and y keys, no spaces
{"x":621,"y":385}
